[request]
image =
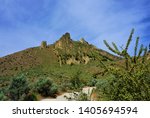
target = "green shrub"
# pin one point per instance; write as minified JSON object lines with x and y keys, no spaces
{"x":18,"y":88}
{"x":3,"y":97}
{"x":65,"y":86}
{"x":76,"y":81}
{"x":78,"y":97}
{"x":46,"y":88}
{"x":83,"y":97}
{"x":123,"y":88}
{"x":103,"y":88}
{"x":129,"y":82}
{"x":92,"y":82}
{"x":30,"y":97}
{"x":54,"y":89}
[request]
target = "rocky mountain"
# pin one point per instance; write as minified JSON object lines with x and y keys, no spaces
{"x":65,"y":51}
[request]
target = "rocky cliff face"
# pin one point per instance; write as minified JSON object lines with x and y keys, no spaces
{"x":74,"y":60}
{"x":77,"y":52}
{"x":71,"y":52}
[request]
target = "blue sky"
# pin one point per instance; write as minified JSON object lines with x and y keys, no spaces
{"x":25,"y":23}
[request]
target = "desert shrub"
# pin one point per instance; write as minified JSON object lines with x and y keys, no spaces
{"x":76,"y":81}
{"x":131,"y":81}
{"x":30,"y":97}
{"x":78,"y":97}
{"x":123,"y":88}
{"x":83,"y":97}
{"x":46,"y":87}
{"x":3,"y":97}
{"x":18,"y":88}
{"x":65,"y":86}
{"x":92,"y":82}
{"x":54,"y":89}
{"x":103,"y":88}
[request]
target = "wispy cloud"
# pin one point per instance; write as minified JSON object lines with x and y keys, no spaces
{"x":26,"y":23}
{"x":111,"y":20}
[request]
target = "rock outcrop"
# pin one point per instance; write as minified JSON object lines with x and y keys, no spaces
{"x":64,"y":42}
{"x":43,"y":44}
{"x":82,"y":40}
{"x":73,"y":60}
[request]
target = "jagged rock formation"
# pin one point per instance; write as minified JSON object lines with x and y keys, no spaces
{"x":64,"y":41}
{"x":76,"y":52}
{"x":71,"y":52}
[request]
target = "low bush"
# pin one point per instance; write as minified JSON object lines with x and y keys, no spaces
{"x":76,"y":81}
{"x":46,"y":87}
{"x":65,"y":86}
{"x":92,"y":82}
{"x":83,"y":97}
{"x":78,"y":97}
{"x":18,"y":88}
{"x":3,"y":97}
{"x":30,"y":97}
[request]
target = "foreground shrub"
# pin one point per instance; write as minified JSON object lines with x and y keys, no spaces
{"x":3,"y":97}
{"x":76,"y":81}
{"x":130,"y":81}
{"x":18,"y":88}
{"x":92,"y":82}
{"x":65,"y":86}
{"x":30,"y":97}
{"x":83,"y":97}
{"x":46,"y":88}
{"x":78,"y":97}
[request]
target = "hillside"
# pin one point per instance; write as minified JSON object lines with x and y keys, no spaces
{"x":65,"y":51}
{"x":69,"y":66}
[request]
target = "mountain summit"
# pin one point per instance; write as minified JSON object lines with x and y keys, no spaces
{"x":64,"y":41}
